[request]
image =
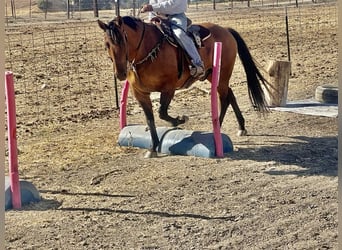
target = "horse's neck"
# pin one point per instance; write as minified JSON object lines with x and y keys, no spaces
{"x":142,"y":41}
{"x":152,"y":36}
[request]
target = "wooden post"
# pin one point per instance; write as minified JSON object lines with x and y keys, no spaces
{"x":68,"y":9}
{"x":117,"y":7}
{"x":14,"y":15}
{"x":278,"y":77}
{"x":134,"y":6}
{"x":95,"y":8}
{"x":46,"y":8}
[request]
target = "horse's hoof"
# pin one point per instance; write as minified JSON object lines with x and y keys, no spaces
{"x":150,"y":154}
{"x":242,"y":133}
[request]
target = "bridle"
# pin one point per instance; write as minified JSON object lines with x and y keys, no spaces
{"x":152,"y":55}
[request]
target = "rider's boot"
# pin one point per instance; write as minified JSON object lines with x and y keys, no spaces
{"x":197,"y":70}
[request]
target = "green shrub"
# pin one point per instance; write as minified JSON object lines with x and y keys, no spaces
{"x":88,"y":4}
{"x":44,"y":5}
{"x":52,"y":5}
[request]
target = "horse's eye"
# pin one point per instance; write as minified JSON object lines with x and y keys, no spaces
{"x":107,"y":45}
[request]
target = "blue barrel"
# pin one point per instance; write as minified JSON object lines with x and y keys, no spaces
{"x":174,"y":141}
{"x":28,"y":191}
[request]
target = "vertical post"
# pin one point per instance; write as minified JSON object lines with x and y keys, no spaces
{"x":134,"y":6}
{"x":117,"y":7}
{"x":68,"y":9}
{"x":12,"y":141}
{"x":123,"y":105}
{"x":46,"y":8}
{"x":6,"y":15}
{"x":95,"y":8}
{"x":287,"y":36}
{"x":214,"y":108}
{"x":14,"y":15}
{"x":116,"y":92}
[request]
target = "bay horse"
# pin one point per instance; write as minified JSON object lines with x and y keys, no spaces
{"x":141,"y":54}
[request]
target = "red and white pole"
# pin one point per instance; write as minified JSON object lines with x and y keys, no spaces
{"x":214,"y":107}
{"x":12,"y":141}
{"x":123,"y":105}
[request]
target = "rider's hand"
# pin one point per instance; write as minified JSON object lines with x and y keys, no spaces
{"x":146,"y":8}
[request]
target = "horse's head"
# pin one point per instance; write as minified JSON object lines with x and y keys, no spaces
{"x":116,"y":45}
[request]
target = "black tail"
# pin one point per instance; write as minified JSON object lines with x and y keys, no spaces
{"x":254,"y":77}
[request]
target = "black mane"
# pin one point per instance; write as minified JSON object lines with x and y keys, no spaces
{"x":131,"y":21}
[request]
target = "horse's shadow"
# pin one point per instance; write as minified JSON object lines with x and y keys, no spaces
{"x":315,"y":155}
{"x":150,"y":212}
{"x":53,"y":204}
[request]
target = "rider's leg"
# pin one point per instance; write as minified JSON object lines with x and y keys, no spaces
{"x":179,"y":28}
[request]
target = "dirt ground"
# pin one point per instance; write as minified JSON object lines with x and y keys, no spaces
{"x":277,"y":190}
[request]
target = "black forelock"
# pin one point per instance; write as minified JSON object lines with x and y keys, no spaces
{"x":113,"y":27}
{"x":114,"y":33}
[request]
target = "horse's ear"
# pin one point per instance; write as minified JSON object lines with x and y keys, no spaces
{"x":102,"y":25}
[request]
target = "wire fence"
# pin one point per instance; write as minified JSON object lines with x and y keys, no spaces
{"x":37,"y":10}
{"x":62,"y":73}
{"x":59,"y":71}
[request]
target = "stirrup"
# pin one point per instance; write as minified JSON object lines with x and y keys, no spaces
{"x":197,"y":71}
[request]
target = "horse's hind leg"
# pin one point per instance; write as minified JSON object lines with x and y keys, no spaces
{"x":227,"y":97}
{"x":231,"y":98}
{"x":165,"y":100}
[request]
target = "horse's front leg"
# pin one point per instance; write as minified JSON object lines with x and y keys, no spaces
{"x":146,"y":104}
{"x":165,"y":100}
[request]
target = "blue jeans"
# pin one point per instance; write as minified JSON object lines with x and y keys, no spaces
{"x":179,"y":29}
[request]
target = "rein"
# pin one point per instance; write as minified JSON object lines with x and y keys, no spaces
{"x":151,"y":55}
{"x":141,"y":38}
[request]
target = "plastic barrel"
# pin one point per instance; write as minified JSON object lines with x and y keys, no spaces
{"x":29,"y":193}
{"x":174,"y":141}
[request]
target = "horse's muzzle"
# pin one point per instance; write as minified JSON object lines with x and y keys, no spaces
{"x":121,"y":76}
